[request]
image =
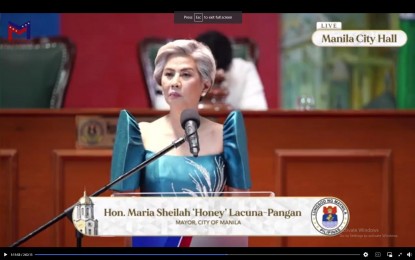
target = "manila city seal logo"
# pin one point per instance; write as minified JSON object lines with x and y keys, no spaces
{"x":330,"y":216}
{"x":92,"y":132}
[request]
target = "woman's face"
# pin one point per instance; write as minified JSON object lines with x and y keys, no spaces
{"x":181,"y":82}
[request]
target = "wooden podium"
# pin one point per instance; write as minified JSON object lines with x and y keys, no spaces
{"x":364,"y":158}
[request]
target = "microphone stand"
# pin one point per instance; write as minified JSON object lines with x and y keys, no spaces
{"x":69,"y":210}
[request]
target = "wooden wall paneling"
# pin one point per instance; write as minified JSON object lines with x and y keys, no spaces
{"x":360,"y":178}
{"x":77,"y":171}
{"x":34,"y":135}
{"x":8,"y":193}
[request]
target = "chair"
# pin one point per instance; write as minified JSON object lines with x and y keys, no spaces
{"x":35,"y":73}
{"x":147,"y":49}
{"x":147,"y":52}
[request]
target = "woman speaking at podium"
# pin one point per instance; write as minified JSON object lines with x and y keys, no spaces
{"x":186,"y":70}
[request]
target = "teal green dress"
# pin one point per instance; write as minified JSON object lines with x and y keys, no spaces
{"x":205,"y":175}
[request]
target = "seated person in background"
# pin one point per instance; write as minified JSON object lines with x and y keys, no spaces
{"x":186,"y":70}
{"x":239,"y":76}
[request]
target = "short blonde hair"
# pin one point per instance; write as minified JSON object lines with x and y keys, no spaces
{"x":202,"y":55}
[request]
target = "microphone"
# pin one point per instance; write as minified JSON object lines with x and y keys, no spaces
{"x":190,"y":122}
